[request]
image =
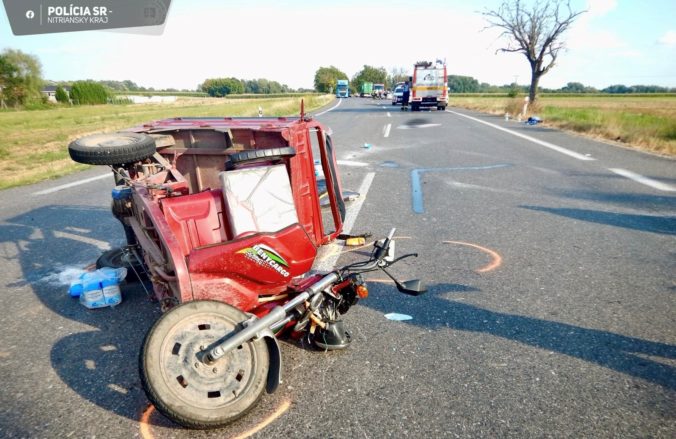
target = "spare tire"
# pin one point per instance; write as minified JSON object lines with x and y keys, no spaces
{"x":258,"y":155}
{"x":112,"y":148}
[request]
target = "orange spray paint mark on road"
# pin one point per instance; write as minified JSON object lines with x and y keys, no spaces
{"x":267,"y":421}
{"x":145,"y":427}
{"x":381,"y":281}
{"x":495,"y":263}
{"x":147,"y":434}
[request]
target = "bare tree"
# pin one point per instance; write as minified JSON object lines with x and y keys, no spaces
{"x":535,"y":32}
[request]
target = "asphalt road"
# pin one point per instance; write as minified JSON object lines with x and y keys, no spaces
{"x":550,"y":313}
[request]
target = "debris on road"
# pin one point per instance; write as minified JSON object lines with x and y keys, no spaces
{"x":398,"y":317}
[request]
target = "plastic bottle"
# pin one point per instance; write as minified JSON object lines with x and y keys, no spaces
{"x":110,"y":285}
{"x":92,"y":292}
{"x":75,"y":289}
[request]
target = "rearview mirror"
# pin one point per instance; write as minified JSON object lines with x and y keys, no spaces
{"x":412,"y":287}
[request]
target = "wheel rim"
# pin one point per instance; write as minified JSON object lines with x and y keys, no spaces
{"x":192,"y":382}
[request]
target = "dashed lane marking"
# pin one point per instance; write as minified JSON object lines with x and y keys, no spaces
{"x":644,"y":180}
{"x":387,"y":130}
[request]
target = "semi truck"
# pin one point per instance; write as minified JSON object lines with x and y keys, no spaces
{"x":365,"y":89}
{"x":342,"y":88}
{"x":429,"y":85}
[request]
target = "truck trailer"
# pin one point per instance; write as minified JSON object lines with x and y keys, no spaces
{"x":365,"y":89}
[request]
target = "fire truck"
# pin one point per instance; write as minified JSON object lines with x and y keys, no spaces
{"x":429,"y":86}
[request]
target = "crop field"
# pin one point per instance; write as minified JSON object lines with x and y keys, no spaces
{"x":642,"y":121}
{"x":34,"y":144}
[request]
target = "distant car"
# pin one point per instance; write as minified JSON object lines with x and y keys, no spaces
{"x":398,"y":94}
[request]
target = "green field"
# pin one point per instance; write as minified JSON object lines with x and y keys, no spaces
{"x":641,"y":121}
{"x":34,"y":144}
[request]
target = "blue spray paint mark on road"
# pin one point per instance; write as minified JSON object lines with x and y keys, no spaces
{"x":416,"y":183}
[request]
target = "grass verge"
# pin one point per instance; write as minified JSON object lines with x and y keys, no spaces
{"x":643,"y":122}
{"x":34,"y":144}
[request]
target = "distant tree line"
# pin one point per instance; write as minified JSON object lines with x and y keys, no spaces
{"x":220,"y":87}
{"x":467,"y":84}
{"x":21,"y":84}
{"x":326,"y":78}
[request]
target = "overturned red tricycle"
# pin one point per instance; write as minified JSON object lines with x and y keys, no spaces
{"x":225,"y":216}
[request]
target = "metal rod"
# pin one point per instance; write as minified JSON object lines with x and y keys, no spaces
{"x":277,"y":314}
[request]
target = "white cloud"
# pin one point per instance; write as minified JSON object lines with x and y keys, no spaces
{"x":599,"y":8}
{"x":668,"y":39}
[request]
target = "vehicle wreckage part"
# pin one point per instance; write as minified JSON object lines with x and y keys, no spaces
{"x":123,"y":257}
{"x":258,"y":199}
{"x":256,"y":327}
{"x":255,"y":155}
{"x":185,"y":389}
{"x":112,"y":148}
{"x":332,"y":336}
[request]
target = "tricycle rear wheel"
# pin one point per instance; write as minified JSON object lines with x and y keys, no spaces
{"x":188,"y":391}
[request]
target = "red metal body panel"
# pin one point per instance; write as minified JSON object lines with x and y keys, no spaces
{"x":196,"y":220}
{"x":236,"y":272}
{"x":179,"y":211}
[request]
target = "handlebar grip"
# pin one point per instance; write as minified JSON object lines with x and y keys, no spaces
{"x":382,"y":251}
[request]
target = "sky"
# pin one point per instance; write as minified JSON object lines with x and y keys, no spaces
{"x":615,"y":42}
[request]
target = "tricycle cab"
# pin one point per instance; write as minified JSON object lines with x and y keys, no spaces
{"x":229,"y":209}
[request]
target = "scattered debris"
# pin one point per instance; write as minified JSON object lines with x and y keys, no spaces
{"x":398,"y":317}
{"x":355,"y":242}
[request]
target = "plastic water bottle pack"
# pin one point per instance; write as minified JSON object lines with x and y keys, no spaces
{"x":100,"y":288}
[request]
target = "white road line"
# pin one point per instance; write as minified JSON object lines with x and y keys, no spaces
{"x":73,"y":184}
{"x":387,"y":130}
{"x":388,"y":114}
{"x":351,"y":163}
{"x":332,"y":108}
{"x":529,"y":138}
{"x":333,"y":250}
{"x":101,"y":245}
{"x":644,"y":180}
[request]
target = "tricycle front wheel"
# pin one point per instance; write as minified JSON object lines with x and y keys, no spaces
{"x":188,"y":391}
